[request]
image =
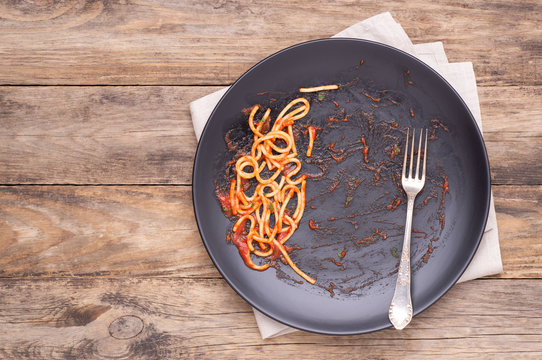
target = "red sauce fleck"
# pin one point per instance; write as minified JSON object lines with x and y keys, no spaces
{"x":288,"y":169}
{"x":343,"y":254}
{"x":239,"y":238}
{"x":334,"y":185}
{"x":407,"y":72}
{"x":366,"y":241}
{"x":281,"y":236}
{"x":336,"y":103}
{"x":420,"y":232}
{"x":372,"y":238}
{"x":425,"y":257}
{"x":355,"y":223}
{"x":441,"y":219}
{"x":347,"y":101}
{"x":411,"y":112}
{"x":331,"y":119}
{"x":332,"y":148}
{"x":345,"y":119}
{"x":225,"y":204}
{"x":365,"y":150}
{"x":266,"y":125}
{"x":410,"y":82}
{"x":229,"y":143}
{"x":338,"y":159}
{"x":370,"y":97}
{"x":228,"y":237}
{"x":394,"y":102}
{"x":445,"y":188}
{"x":393,"y":178}
{"x":376,"y":169}
{"x":382,"y":234}
{"x":276,"y":254}
{"x":332,"y":218}
{"x":427,"y":199}
{"x":313,"y":207}
{"x":245,"y":184}
{"x":370,"y":122}
{"x":394,"y":151}
{"x":313,"y":225}
{"x":393,"y":204}
{"x":335,"y":262}
{"x":331,"y":286}
{"x":247,"y":111}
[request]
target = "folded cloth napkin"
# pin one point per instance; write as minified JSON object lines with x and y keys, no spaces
{"x":383,"y":28}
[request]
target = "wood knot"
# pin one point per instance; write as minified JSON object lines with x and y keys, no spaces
{"x":126,"y":327}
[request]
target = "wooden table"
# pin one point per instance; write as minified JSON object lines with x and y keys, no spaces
{"x":100,"y":256}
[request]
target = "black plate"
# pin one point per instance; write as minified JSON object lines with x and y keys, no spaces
{"x":411,"y":95}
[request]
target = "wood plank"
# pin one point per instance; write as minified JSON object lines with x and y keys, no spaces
{"x":519,"y":218}
{"x":104,"y":135}
{"x":93,"y":231}
{"x":511,"y":109}
{"x":204,"y":319}
{"x":143,"y":135}
{"x":207,"y":42}
{"x":150,"y":231}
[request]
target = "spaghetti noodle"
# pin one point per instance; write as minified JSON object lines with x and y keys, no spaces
{"x":312,"y":135}
{"x":319,"y":88}
{"x":269,"y":216}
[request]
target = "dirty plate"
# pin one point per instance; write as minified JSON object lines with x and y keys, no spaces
{"x":357,"y":205}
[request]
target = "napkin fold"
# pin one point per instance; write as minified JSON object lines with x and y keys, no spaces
{"x":384,"y":29}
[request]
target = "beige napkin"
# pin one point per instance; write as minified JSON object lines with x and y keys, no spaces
{"x":383,"y":28}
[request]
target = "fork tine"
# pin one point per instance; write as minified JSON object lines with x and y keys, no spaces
{"x":406,"y":153}
{"x":412,"y":154}
{"x":424,"y":156}
{"x":419,"y":154}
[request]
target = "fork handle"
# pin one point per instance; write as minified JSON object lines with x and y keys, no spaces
{"x":400,"y":312}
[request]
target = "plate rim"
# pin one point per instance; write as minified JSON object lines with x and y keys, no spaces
{"x":487,"y":186}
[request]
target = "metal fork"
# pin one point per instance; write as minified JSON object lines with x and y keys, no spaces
{"x":400,"y":312}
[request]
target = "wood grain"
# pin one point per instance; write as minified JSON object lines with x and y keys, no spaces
{"x":205,"y":319}
{"x":89,"y":231}
{"x":104,"y":135}
{"x":162,"y":42}
{"x":518,"y":209}
{"x":143,"y":135}
{"x":97,"y":231}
